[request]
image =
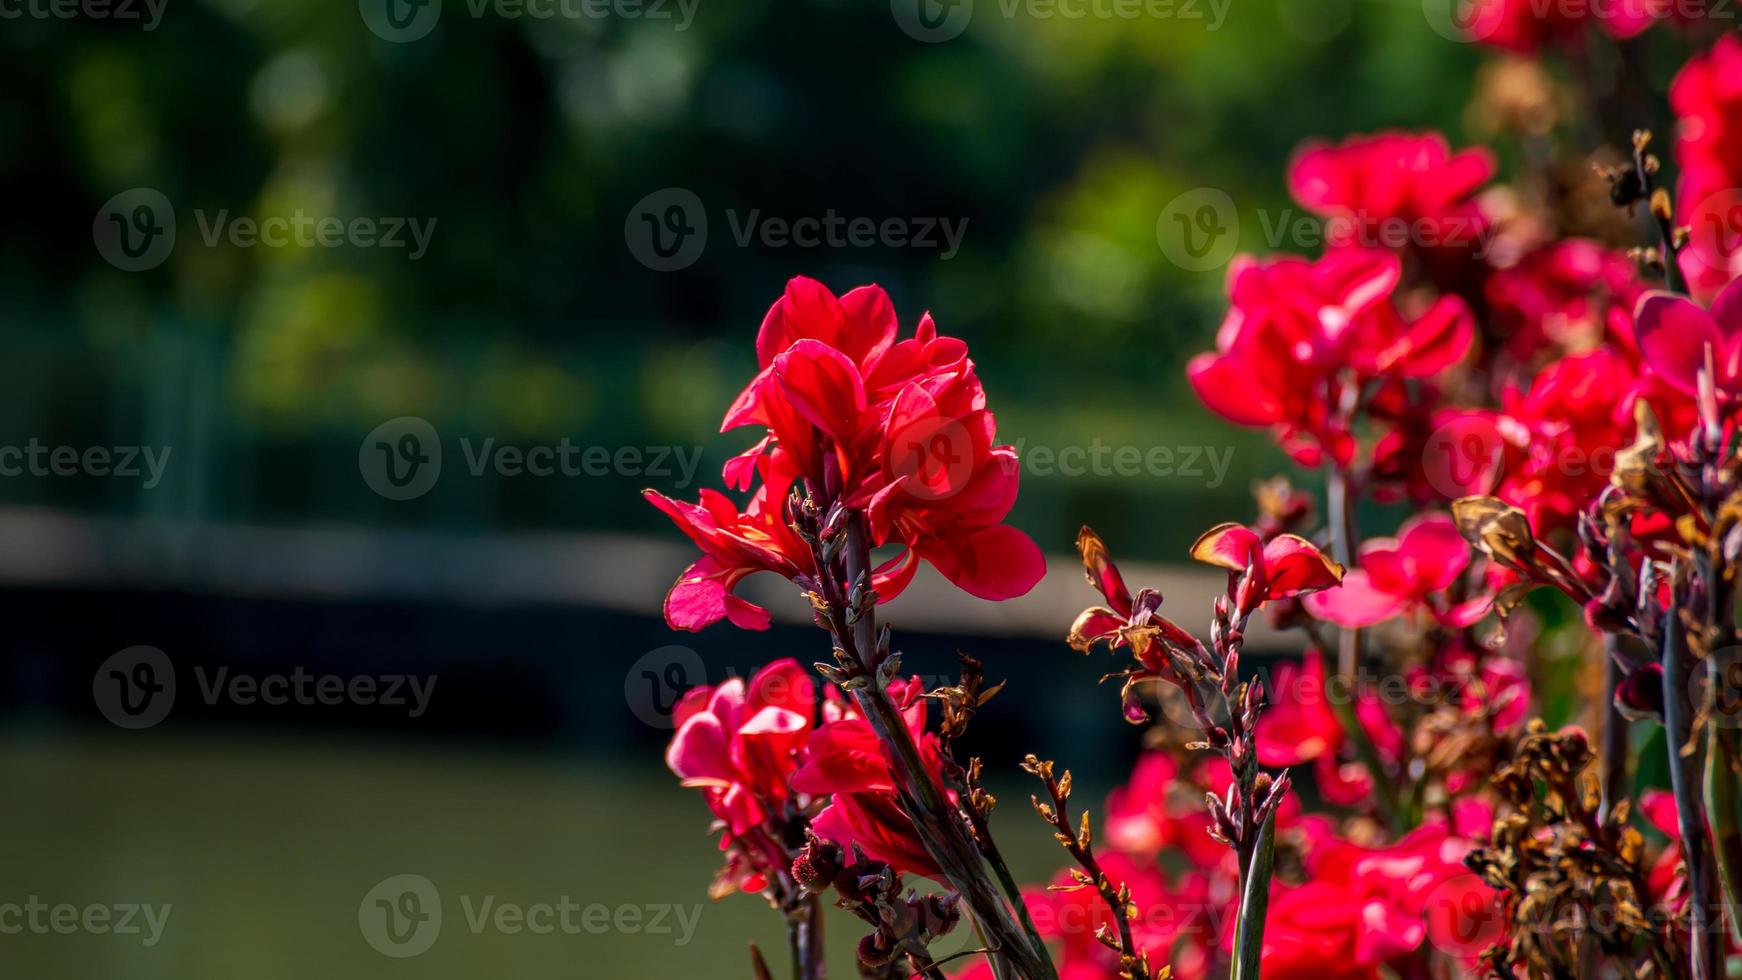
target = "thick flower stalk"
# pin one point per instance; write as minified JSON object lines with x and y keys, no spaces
{"x":869,"y":440}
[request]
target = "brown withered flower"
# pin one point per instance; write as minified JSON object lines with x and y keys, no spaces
{"x":1569,"y":876}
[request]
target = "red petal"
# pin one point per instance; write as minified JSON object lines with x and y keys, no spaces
{"x":807,"y":309}
{"x":824,"y":386}
{"x":1433,"y":551}
{"x":1227,"y":387}
{"x":1231,"y":546}
{"x":1355,"y":604}
{"x":1294,"y":565}
{"x":1103,"y":574}
{"x":995,"y":563}
{"x":1674,"y":335}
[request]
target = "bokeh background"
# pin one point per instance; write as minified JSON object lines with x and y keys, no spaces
{"x":529,"y":148}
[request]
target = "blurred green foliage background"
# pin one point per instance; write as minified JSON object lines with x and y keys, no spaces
{"x":529,"y":140}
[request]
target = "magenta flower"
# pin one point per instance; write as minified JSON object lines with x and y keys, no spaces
{"x":1298,"y":330}
{"x":1397,"y":575}
{"x":740,"y":743}
{"x":1394,"y":189}
{"x":1679,"y":339}
{"x":895,"y":429}
{"x":1287,"y":565}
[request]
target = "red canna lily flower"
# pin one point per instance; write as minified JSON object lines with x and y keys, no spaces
{"x":1571,"y":293}
{"x":739,"y":743}
{"x":733,"y":545}
{"x":1680,"y":340}
{"x":896,"y":429}
{"x":1287,"y":565}
{"x":1300,"y":727}
{"x":1402,"y":574}
{"x":1131,"y":622}
{"x":1707,"y":97}
{"x":1527,"y":26}
{"x":846,"y":760}
{"x":1393,"y":190}
{"x":1298,"y":333}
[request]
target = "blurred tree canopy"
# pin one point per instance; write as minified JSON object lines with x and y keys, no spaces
{"x":528,"y":141}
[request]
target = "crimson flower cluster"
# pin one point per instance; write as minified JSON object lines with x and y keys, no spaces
{"x":1536,"y":405}
{"x":897,"y":429}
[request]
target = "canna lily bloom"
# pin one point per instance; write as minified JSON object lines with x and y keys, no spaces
{"x":1298,"y":332}
{"x":739,"y":743}
{"x":1299,"y":727}
{"x":1680,"y":340}
{"x":1131,"y":622}
{"x":1364,"y":912}
{"x":733,"y":545}
{"x":1527,"y":26}
{"x":1287,"y":565}
{"x":1394,"y":189}
{"x":845,"y":760}
{"x":1707,"y":97}
{"x":1397,"y":575}
{"x":1570,"y":293}
{"x":895,"y":429}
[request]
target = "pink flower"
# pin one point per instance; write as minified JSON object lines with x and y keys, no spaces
{"x":1299,"y":726}
{"x":1526,"y":26}
{"x":1679,"y":340}
{"x":1297,"y":332}
{"x":1158,"y":809}
{"x":1394,"y":190}
{"x":1287,"y":565}
{"x":1570,"y":293}
{"x":1707,"y":97}
{"x":1366,"y":908}
{"x":846,"y":761}
{"x":738,"y":744}
{"x":896,"y":429}
{"x":1396,"y":575}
